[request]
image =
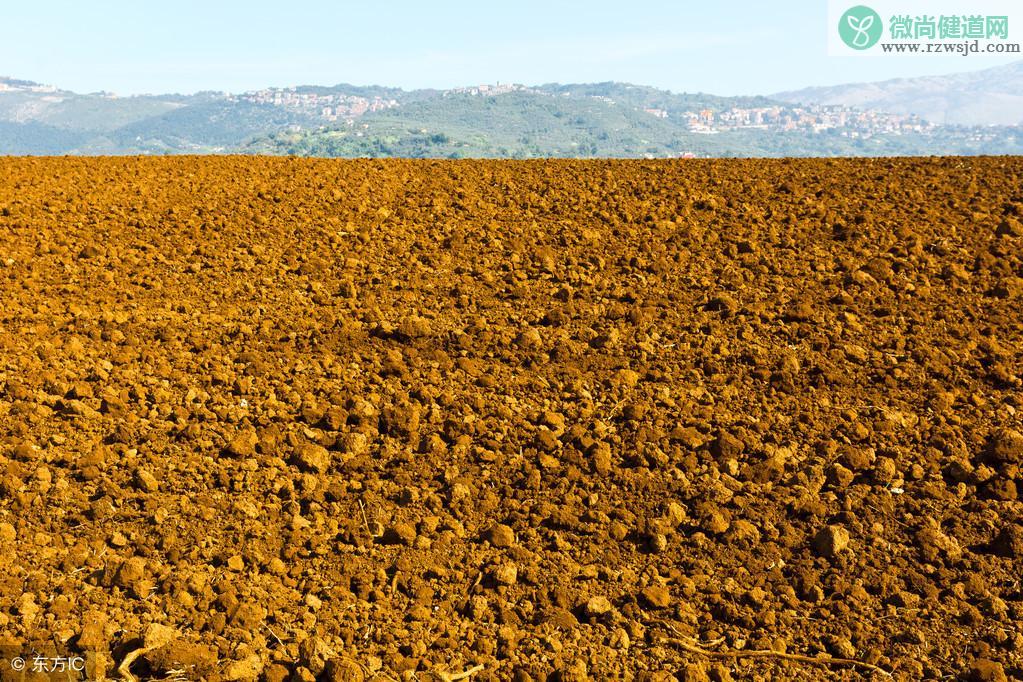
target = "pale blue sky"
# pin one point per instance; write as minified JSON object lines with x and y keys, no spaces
{"x":728,"y":48}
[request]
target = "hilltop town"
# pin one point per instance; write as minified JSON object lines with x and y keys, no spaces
{"x":500,"y":119}
{"x":333,"y":107}
{"x":329,"y":106}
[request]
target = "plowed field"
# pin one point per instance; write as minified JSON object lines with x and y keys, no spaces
{"x":348,"y":420}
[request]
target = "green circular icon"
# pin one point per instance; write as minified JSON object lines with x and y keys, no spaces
{"x":860,"y":27}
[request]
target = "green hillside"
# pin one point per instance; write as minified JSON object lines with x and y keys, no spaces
{"x":37,"y":138}
{"x":583,"y":121}
{"x":518,"y":124}
{"x":645,"y":97}
{"x":554,"y":120}
{"x":213,"y":125}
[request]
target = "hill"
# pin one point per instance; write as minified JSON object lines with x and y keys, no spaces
{"x":611,"y":120}
{"x":608,"y":119}
{"x":988,"y":97}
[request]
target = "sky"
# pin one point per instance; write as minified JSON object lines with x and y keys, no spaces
{"x":716,"y":46}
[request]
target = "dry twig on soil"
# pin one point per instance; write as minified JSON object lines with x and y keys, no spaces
{"x":454,"y":677}
{"x":692,"y":646}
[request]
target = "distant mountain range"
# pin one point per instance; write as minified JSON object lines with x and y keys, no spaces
{"x":978,"y":98}
{"x":974,"y":113}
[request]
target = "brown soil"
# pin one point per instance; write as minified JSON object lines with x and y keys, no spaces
{"x":289,"y":419}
